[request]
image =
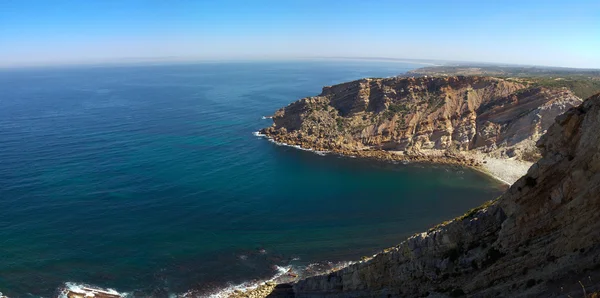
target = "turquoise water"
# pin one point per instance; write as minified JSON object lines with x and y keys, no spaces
{"x":148,"y":179}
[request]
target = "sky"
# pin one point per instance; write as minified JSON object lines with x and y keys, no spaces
{"x":552,"y":33}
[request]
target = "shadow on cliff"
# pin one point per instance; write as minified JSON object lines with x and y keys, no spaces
{"x":283,"y":291}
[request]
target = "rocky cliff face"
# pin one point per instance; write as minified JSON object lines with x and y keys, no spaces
{"x":416,"y":114}
{"x":541,"y":238}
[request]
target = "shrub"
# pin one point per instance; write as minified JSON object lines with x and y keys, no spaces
{"x":340,"y":124}
{"x":531,"y":154}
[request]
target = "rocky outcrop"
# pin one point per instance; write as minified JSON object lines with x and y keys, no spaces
{"x":412,"y":115}
{"x":540,"y":239}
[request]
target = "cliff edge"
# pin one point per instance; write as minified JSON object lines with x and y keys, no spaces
{"x":425,"y":118}
{"x":541,"y":238}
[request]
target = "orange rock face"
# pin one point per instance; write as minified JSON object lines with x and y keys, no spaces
{"x":416,"y":114}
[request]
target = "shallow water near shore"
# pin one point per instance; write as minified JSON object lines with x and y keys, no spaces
{"x":149,"y":179}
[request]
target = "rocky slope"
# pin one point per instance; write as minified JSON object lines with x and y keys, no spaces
{"x":412,"y":116}
{"x":540,"y":239}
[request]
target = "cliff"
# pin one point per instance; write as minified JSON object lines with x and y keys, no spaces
{"x":541,"y":238}
{"x":413,"y":117}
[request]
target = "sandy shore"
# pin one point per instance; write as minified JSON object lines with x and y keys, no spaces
{"x":505,"y":170}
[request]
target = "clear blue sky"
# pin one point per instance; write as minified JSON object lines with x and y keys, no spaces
{"x":558,"y":33}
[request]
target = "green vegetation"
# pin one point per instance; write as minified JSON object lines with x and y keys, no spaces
{"x":468,"y":214}
{"x":582,"y":82}
{"x":581,"y":86}
{"x":472,"y":212}
{"x":436,"y":102}
{"x":531,"y":154}
{"x":395,"y":108}
{"x":400,"y":125}
{"x":340,"y":124}
{"x":398,"y":108}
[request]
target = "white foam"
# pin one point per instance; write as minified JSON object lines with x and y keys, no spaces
{"x":318,"y":152}
{"x":279,"y":271}
{"x":247,"y":286}
{"x":86,"y":290}
{"x":89,"y":291}
{"x":267,"y":117}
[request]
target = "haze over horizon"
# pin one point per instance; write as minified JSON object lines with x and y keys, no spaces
{"x":548,"y":33}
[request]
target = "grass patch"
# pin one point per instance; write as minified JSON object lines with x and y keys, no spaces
{"x":471,"y":212}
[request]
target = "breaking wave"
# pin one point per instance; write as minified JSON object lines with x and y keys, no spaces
{"x":318,"y":152}
{"x":282,"y":274}
{"x":87,"y":291}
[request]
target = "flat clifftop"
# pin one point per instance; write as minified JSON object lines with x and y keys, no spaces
{"x":424,"y":118}
{"x":539,"y":239}
{"x":582,"y":82}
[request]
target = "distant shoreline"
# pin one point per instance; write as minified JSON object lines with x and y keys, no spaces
{"x":399,"y":60}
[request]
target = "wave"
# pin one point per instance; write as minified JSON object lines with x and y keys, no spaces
{"x":267,"y":117}
{"x":282,"y":274}
{"x":87,"y":291}
{"x":318,"y":152}
{"x":245,"y":286}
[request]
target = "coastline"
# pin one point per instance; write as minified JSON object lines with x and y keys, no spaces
{"x":503,"y":169}
{"x":506,"y":171}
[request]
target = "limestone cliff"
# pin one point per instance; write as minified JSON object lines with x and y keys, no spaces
{"x":415,"y":114}
{"x":541,"y":238}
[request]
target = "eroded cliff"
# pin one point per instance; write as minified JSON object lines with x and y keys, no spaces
{"x":414,"y":115}
{"x":541,"y":238}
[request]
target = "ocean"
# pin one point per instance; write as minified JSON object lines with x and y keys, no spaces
{"x":148,"y":179}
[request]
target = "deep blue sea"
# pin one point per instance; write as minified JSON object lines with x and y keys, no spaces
{"x":148,"y":179}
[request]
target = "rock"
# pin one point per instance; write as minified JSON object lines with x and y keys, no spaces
{"x":457,"y":113}
{"x":541,"y":238}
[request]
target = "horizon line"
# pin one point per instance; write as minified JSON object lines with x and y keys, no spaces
{"x":179,"y":60}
